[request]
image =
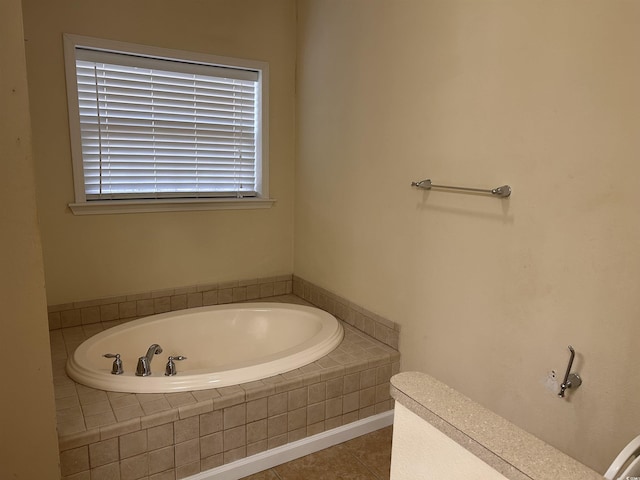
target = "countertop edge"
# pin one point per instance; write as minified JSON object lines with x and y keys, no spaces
{"x":513,"y":452}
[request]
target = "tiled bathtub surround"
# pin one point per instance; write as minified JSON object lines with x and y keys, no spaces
{"x":108,"y":435}
{"x":368,"y":322}
{"x":114,"y":310}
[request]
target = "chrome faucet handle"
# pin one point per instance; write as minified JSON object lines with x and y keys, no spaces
{"x":170,"y":370}
{"x":116,"y":368}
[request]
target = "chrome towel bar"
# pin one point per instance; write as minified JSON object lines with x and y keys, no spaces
{"x":502,"y":192}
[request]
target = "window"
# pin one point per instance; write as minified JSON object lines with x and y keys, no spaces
{"x":156,"y":129}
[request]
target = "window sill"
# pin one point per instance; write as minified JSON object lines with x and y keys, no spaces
{"x":108,"y":207}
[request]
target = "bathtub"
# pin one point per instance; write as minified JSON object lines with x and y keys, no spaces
{"x":225,"y":345}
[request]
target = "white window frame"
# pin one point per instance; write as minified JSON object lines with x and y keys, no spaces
{"x":82,"y":206}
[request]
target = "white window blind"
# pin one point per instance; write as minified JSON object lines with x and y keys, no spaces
{"x":160,"y":128}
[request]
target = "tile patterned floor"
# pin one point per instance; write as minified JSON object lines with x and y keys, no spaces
{"x":364,"y":458}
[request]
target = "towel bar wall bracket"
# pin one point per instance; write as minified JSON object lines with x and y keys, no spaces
{"x":502,"y":192}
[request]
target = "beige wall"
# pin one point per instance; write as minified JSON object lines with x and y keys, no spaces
{"x":29,"y":447}
{"x":541,"y":95}
{"x":96,"y":256}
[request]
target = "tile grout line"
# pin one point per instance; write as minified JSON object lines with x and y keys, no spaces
{"x":369,"y":469}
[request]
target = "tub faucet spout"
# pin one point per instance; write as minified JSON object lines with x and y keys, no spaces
{"x":144,"y":363}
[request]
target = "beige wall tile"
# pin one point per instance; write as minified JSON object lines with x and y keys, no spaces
{"x":239,"y":294}
{"x":258,"y":389}
{"x":211,"y":445}
{"x":266,"y":290}
{"x":187,"y":470}
{"x":257,"y":431}
{"x":110,"y":471}
{"x":159,"y":418}
{"x":99,"y":420}
{"x":54,"y":320}
{"x":133,"y":444}
{"x":210,"y":422}
{"x":194,"y":300}
{"x":277,"y":404}
{"x":368,"y":378}
{"x":109,"y":312}
{"x":253,"y":293}
{"x":350,"y":402}
{"x":333,"y":407}
{"x":195,"y":409}
{"x":160,"y":436}
{"x":156,"y":406}
{"x":297,"y":419}
{"x":317,"y":392}
{"x":78,"y":440}
{"x":122,"y":400}
{"x":234,"y":416}
{"x":179,"y":399}
{"x":234,"y":438}
{"x":350,"y":417}
{"x":70,"y":414}
{"x":111,"y":431}
{"x":229,"y":399}
{"x":225,"y":295}
{"x":315,"y":428}
{"x":384,"y":406}
{"x":210,"y":297}
{"x":161,"y":304}
{"x":187,"y":452}
{"x":235,"y":454}
{"x":276,"y":425}
{"x":277,"y":441}
{"x":74,"y":460}
{"x":144,"y":307}
{"x":257,"y":447}
{"x":335,"y":387}
{"x":127,"y":309}
{"x":104,"y":452}
{"x":134,"y":468}
{"x":257,"y":410}
{"x":367,"y":397}
{"x":383,"y":374}
{"x":297,"y":434}
{"x":128,"y":412}
{"x":168,"y":475}
{"x":316,"y":413}
{"x":383,"y":392}
{"x":366,"y":412}
{"x":280,"y":288}
{"x":211,"y":462}
{"x":178,"y":302}
{"x":331,"y":423}
{"x":70,"y":318}
{"x":90,"y":315}
{"x":351,"y":383}
{"x":161,"y":459}
{"x":186,"y":429}
{"x":202,"y":395}
{"x":297,"y":398}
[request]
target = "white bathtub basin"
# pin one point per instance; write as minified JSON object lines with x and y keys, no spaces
{"x":224,"y":345}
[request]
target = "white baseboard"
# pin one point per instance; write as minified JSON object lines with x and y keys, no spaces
{"x":277,"y":456}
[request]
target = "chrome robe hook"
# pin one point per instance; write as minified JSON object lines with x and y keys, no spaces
{"x":571,"y":380}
